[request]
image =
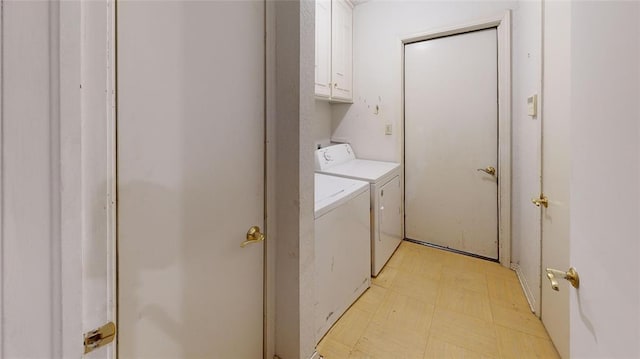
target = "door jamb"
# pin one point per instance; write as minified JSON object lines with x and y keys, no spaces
{"x":502,"y":23}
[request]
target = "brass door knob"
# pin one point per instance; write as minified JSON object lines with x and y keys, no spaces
{"x":571,"y":275}
{"x":542,"y":200}
{"x":253,"y":236}
{"x":489,"y":170}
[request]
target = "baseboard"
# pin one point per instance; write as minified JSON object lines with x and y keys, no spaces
{"x":315,"y":355}
{"x":525,"y":287}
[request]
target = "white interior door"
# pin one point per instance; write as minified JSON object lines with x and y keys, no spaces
{"x":190,"y":178}
{"x":556,"y":172}
{"x":605,"y":179}
{"x":591,"y":162}
{"x":451,"y":131}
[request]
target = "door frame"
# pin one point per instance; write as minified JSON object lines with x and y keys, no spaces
{"x":82,"y":41}
{"x":502,"y":23}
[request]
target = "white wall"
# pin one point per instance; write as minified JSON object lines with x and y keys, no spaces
{"x":378,"y":28}
{"x":322,"y":123}
{"x":605,"y":205}
{"x":526,"y":57}
{"x":295,"y":284}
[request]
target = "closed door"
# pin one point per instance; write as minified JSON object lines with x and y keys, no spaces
{"x":556,"y":172}
{"x":591,"y":176}
{"x":451,"y":142}
{"x":190,"y":178}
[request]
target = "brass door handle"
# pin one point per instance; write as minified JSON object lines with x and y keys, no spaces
{"x":253,"y":236}
{"x":571,"y":275}
{"x":489,"y":170}
{"x":544,"y":201}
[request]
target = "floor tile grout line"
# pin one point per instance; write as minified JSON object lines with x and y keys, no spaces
{"x":370,"y":320}
{"x":386,"y":293}
{"x":523,"y":332}
{"x":490,"y":302}
{"x":498,"y":341}
{"x":433,"y":313}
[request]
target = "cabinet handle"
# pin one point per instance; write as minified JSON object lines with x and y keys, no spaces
{"x":335,"y":85}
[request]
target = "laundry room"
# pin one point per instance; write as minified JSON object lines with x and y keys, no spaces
{"x":324,"y":179}
{"x":413,"y":100}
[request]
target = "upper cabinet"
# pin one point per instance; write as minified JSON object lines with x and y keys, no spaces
{"x":342,"y":50}
{"x":323,"y":48}
{"x":334,"y":50}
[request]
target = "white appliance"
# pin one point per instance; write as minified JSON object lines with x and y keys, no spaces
{"x":342,"y":247}
{"x":386,"y":206}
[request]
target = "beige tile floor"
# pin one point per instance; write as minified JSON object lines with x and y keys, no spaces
{"x":429,"y":303}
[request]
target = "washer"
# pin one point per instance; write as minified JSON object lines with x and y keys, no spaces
{"x":342,"y":247}
{"x":386,"y":207}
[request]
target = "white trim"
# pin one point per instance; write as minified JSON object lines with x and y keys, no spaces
{"x":503,"y":24}
{"x":112,"y":179}
{"x":75,"y":70}
{"x":504,"y":139}
{"x":2,"y":238}
{"x":270,"y":210}
{"x":68,"y":70}
{"x":487,"y":23}
{"x":525,"y":287}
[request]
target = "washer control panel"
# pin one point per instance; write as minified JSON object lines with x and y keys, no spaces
{"x":333,"y":155}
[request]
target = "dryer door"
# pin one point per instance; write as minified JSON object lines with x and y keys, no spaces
{"x":389,"y":223}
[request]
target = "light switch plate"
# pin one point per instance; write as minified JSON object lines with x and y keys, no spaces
{"x":532,"y":105}
{"x":388,"y":129}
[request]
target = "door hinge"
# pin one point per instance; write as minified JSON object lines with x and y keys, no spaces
{"x":541,"y":200}
{"x":99,"y":337}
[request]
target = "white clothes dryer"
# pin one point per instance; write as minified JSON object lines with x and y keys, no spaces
{"x":386,"y":194}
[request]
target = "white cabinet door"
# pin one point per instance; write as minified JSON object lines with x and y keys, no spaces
{"x":389,"y":224}
{"x":323,"y":48}
{"x":342,"y":50}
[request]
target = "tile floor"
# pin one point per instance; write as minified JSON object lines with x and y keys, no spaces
{"x":429,"y":303}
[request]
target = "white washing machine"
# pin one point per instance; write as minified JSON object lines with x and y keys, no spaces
{"x":342,"y":247}
{"x":386,"y":206}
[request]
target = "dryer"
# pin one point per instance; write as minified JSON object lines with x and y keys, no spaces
{"x":386,"y":193}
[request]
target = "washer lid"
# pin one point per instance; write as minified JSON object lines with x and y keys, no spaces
{"x":365,"y":170}
{"x":332,"y":191}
